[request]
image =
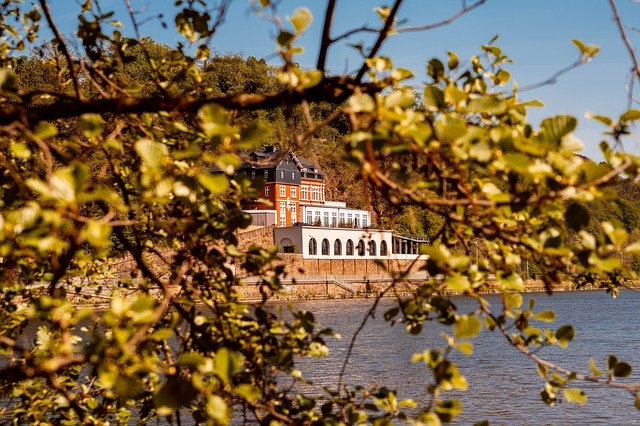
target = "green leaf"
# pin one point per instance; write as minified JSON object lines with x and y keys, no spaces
{"x":487,"y":105}
{"x":630,"y":115}
{"x":247,"y":391}
{"x":175,"y":393}
{"x":502,"y":77}
{"x":361,"y":102}
{"x":467,"y":326}
{"x":622,"y":369}
{"x":388,"y":315}
{"x":512,"y":300}
{"x":633,"y":248}
{"x":601,"y":118}
{"x":587,"y":50}
{"x":45,"y":130}
{"x":555,"y":128}
{"x":227,"y":364}
{"x":214,"y":121}
{"x":512,"y":282}
{"x":465,"y":347}
{"x":92,"y":125}
{"x":435,"y":69}
{"x":577,"y":216}
{"x":151,"y":152}
{"x":216,"y":184}
{"x":546,"y":316}
{"x":453,"y":61}
{"x":574,"y":395}
{"x":301,"y":19}
{"x":400,"y":74}
{"x":565,"y":334}
{"x":8,"y":80}
{"x":285,"y":38}
{"x":433,"y":98}
{"x":97,"y":233}
{"x":612,"y":361}
{"x":457,"y":283}
{"x":594,"y":370}
{"x":449,"y":128}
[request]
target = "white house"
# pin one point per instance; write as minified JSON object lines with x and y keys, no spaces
{"x":335,"y":214}
{"x":319,"y":242}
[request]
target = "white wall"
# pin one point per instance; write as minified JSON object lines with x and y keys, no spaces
{"x":319,"y":211}
{"x":301,"y":235}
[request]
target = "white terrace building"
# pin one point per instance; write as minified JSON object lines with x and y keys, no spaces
{"x":319,"y":242}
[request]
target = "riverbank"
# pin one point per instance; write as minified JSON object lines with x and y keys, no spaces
{"x":310,"y":287}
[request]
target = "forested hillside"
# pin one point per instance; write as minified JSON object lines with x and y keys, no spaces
{"x":116,"y":147}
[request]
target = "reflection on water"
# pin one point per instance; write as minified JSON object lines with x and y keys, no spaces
{"x":504,"y":387}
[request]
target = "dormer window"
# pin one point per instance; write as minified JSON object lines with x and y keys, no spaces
{"x":282,"y":174}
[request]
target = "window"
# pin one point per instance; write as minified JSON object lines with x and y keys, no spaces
{"x":309,"y":218}
{"x":294,"y":213}
{"x":267,"y":191}
{"x":337,"y":247}
{"x":325,"y":247}
{"x":282,"y":174}
{"x":304,"y":193}
{"x":293,"y":192}
{"x":349,"y":219}
{"x":372,"y":248}
{"x":313,"y":246}
{"x":383,"y":248}
{"x":356,"y":221}
{"x":283,"y":214}
{"x":266,"y":174}
{"x":293,"y":175}
{"x":360,"y":248}
{"x":253,"y":174}
{"x":316,"y":219}
{"x":349,"y":248}
{"x":334,"y":219}
{"x":315,"y":193}
{"x":283,"y":190}
{"x":364,"y":221}
{"x":325,"y":218}
{"x":341,"y":222}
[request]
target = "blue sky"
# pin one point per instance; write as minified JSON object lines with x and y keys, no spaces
{"x":535,"y":34}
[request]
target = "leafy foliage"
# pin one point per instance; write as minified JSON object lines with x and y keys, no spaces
{"x":108,"y":157}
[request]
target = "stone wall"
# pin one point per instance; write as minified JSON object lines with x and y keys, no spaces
{"x":260,"y":236}
{"x":294,"y":264}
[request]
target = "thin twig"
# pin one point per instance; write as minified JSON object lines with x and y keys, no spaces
{"x":63,"y":47}
{"x":382,"y":36}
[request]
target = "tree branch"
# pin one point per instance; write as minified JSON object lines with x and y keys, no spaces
{"x":335,"y":88}
{"x":63,"y":47}
{"x":382,"y":36}
{"x":326,"y":35}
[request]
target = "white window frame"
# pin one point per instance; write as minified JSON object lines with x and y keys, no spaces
{"x":283,"y":191}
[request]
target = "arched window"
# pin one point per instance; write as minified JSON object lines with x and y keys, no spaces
{"x":325,"y":247}
{"x":360,"y":248}
{"x":349,"y":248}
{"x":383,"y":248}
{"x":337,"y":248}
{"x":372,"y":248}
{"x":313,"y":246}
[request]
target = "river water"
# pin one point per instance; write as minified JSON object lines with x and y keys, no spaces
{"x":504,"y":387}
